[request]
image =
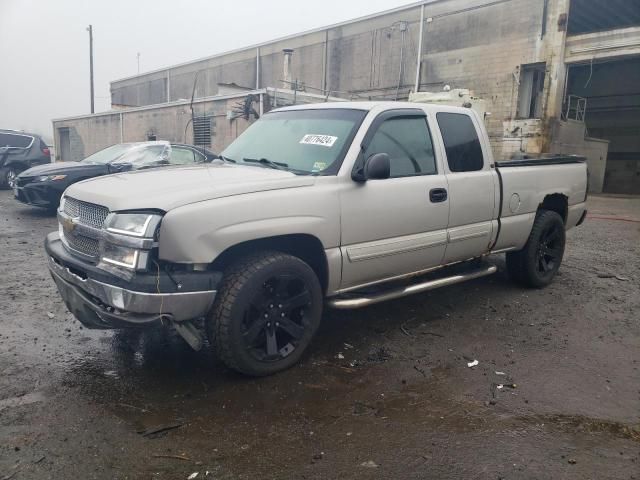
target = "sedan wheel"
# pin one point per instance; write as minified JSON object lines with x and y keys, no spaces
{"x":11,"y":178}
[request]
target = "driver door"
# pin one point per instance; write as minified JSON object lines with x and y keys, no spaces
{"x":398,"y":225}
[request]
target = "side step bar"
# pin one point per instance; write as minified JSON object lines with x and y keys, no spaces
{"x":364,"y":301}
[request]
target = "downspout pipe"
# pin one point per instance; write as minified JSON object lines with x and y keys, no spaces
{"x":257,"y":68}
{"x":420,"y":39}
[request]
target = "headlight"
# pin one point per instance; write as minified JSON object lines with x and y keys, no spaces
{"x":118,"y":249}
{"x":44,"y":178}
{"x":134,"y":224}
{"x":120,"y":256}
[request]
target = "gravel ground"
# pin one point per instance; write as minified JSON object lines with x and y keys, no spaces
{"x":385,"y":392}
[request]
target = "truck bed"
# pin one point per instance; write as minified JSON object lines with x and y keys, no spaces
{"x":526,"y":184}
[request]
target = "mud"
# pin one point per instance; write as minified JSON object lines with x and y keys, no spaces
{"x":401,"y":403}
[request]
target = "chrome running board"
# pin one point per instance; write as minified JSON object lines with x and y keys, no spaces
{"x":370,"y":299}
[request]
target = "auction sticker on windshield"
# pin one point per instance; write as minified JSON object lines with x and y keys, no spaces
{"x":322,"y":140}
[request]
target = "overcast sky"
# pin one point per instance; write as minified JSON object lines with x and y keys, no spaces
{"x":44,"y":45}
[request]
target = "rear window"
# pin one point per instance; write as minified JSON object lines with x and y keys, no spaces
{"x":15,"y":140}
{"x":461,"y":142}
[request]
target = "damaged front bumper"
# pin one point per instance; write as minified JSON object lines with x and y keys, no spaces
{"x":101,"y":300}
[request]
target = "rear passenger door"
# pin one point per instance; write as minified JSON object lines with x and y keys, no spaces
{"x":472,"y":187}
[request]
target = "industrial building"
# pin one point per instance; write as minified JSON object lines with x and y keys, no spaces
{"x":554,"y":76}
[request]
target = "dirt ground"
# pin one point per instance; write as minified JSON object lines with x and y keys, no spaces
{"x":385,"y":392}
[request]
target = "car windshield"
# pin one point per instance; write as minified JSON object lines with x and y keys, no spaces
{"x":111,"y":153}
{"x":145,"y":155}
{"x":310,"y":141}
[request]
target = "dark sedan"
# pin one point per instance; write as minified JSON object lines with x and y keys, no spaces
{"x":42,"y":186}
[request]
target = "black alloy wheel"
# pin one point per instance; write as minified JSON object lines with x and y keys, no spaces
{"x":265,"y":314}
{"x":550,"y":248}
{"x":276,"y":318}
{"x":538,"y":262}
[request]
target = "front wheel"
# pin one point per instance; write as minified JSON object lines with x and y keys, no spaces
{"x":538,"y":262}
{"x":265,"y":314}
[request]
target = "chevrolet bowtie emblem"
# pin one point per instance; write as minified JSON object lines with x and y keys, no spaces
{"x":68,"y":226}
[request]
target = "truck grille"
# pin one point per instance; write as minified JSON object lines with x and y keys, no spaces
{"x":88,"y":213}
{"x":85,"y":245}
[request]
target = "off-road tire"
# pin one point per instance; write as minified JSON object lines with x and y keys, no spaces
{"x":241,"y":283}
{"x":524,"y":266}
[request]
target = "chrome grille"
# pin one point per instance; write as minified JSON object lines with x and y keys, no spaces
{"x":85,"y":245}
{"x":87,"y":213}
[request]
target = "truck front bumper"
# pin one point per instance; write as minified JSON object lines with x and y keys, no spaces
{"x":103,"y":301}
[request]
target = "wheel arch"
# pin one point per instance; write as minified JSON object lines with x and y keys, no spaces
{"x":556,"y":202}
{"x":305,"y":246}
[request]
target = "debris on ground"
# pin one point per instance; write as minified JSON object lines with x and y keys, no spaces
{"x":348,"y":346}
{"x":175,"y":457}
{"x":472,"y":364}
{"x":418,"y":369}
{"x":50,"y":315}
{"x":500,"y":373}
{"x":193,"y":475}
{"x":159,"y":430}
{"x":340,"y":356}
{"x":369,"y":464}
{"x":613,"y":275}
{"x":572,"y":461}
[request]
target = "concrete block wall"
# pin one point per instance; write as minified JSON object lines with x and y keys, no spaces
{"x":171,"y":122}
{"x":475,"y":44}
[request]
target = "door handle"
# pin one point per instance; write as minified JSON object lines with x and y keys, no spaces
{"x":437,"y":195}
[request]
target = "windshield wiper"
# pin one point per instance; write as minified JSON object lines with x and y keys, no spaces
{"x":226,"y":159}
{"x":268,"y":163}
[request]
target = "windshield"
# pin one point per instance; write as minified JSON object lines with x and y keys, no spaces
{"x":303,"y":141}
{"x":145,"y":156}
{"x":110,"y":153}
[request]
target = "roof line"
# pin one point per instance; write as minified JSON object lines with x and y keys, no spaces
{"x":212,"y":98}
{"x":163,"y":105}
{"x":280,"y":39}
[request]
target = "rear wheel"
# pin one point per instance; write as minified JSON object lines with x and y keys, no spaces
{"x":538,"y":262}
{"x":8,"y":177}
{"x":265,"y":314}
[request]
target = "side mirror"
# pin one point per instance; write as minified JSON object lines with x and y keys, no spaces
{"x":377,"y":167}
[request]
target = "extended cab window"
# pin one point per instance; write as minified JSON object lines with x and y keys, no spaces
{"x":407,"y":141}
{"x":461,"y":142}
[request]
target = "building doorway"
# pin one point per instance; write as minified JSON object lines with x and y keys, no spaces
{"x":611,"y":97}
{"x":65,"y":145}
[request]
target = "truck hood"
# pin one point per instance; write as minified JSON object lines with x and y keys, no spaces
{"x":171,"y":187}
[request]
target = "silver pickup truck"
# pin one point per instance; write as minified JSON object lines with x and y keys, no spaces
{"x":343,"y":204}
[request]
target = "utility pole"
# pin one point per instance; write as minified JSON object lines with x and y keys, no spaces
{"x":138,"y":63}
{"x":90,"y":30}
